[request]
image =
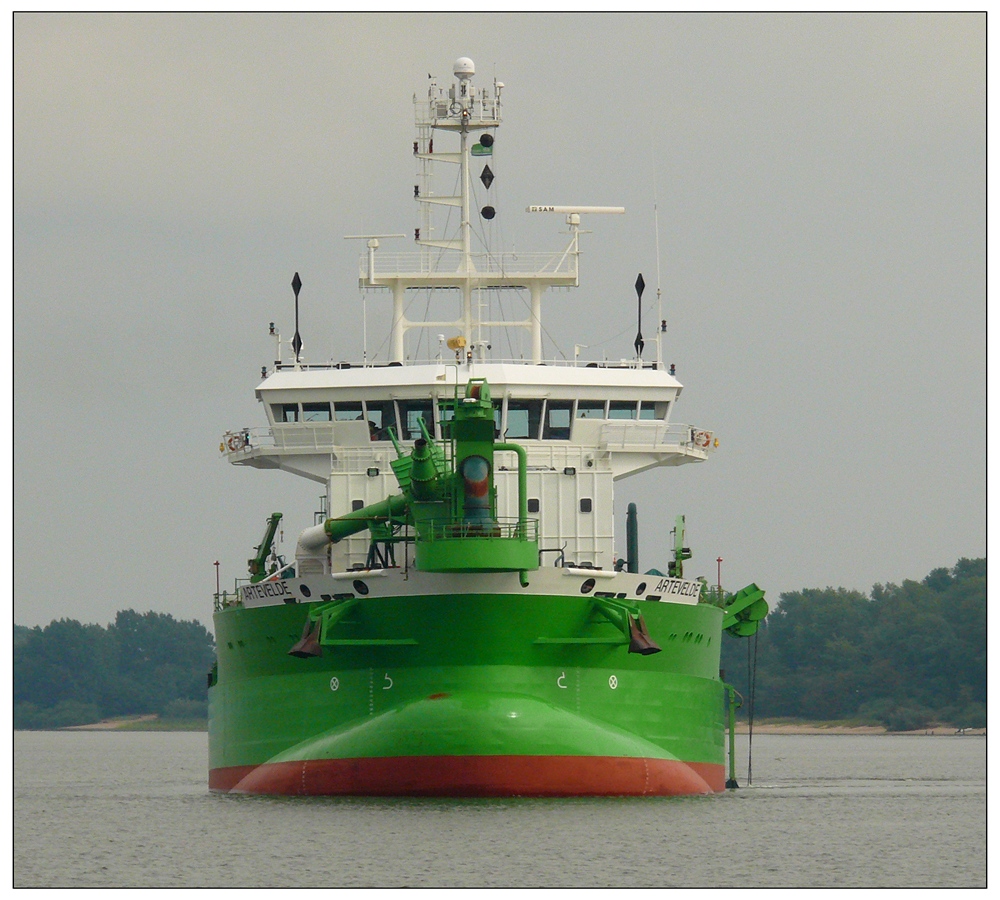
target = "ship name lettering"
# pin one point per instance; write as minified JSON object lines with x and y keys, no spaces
{"x":675,"y":586}
{"x":266,"y":589}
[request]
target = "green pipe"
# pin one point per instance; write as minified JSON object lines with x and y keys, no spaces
{"x":522,"y":494}
{"x":358,"y":520}
{"x":522,"y":483}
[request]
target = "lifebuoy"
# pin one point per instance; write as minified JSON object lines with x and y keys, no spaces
{"x":703,"y":439}
{"x":235,"y":442}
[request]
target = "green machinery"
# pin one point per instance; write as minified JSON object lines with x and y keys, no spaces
{"x":259,"y":569}
{"x":447,"y":507}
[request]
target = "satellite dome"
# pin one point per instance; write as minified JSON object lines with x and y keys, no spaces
{"x":464,"y":67}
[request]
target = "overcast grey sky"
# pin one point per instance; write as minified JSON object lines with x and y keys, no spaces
{"x":821,"y":190}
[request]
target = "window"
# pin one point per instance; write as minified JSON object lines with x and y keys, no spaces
{"x":523,"y":418}
{"x":590,"y":409}
{"x":347,"y":411}
{"x":558,"y":417}
{"x":622,"y":409}
{"x":586,"y":505}
{"x":285,"y":412}
{"x":532,"y":504}
{"x":381,"y":415}
{"x":315,"y":412}
{"x":410,"y":413}
{"x":647,"y":410}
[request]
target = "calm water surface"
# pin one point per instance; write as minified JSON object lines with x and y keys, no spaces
{"x":131,"y":809}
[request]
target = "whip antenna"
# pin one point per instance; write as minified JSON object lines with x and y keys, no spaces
{"x":659,"y":294}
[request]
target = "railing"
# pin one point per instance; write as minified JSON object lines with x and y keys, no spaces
{"x":625,"y":435}
{"x":459,"y":529}
{"x":302,"y":436}
{"x":560,"y":263}
{"x":505,"y":264}
{"x":638,"y":434}
{"x":448,"y":360}
{"x":225,"y":600}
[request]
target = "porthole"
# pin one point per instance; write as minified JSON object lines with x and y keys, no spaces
{"x":360,"y":587}
{"x":640,"y":588}
{"x":304,"y":590}
{"x":587,"y":586}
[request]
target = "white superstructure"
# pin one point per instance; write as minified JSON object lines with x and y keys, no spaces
{"x":583,"y":426}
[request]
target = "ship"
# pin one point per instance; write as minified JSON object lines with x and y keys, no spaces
{"x":456,"y":621}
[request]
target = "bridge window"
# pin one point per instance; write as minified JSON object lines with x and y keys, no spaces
{"x":524,"y":418}
{"x":315,"y":412}
{"x":590,"y":409}
{"x":622,"y":409}
{"x":347,"y":412}
{"x":558,"y":417}
{"x":380,"y":416}
{"x":410,"y":413}
{"x":285,"y":412}
{"x":647,"y":410}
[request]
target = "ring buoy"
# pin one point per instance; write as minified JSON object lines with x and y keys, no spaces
{"x":235,"y":442}
{"x":702,"y":439}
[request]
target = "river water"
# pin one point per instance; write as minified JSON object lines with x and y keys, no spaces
{"x":131,"y":809}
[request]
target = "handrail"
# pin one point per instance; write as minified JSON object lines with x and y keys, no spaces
{"x":626,"y":434}
{"x":505,"y":361}
{"x":557,"y":263}
{"x":456,"y":528}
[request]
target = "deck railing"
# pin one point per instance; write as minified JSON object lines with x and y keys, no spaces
{"x":508,"y":265}
{"x":460,"y":529}
{"x":621,"y":435}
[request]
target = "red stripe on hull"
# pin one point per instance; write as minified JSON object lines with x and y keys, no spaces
{"x":475,"y":776}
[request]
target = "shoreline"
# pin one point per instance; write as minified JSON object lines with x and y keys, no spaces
{"x":153,"y":723}
{"x":834,"y":728}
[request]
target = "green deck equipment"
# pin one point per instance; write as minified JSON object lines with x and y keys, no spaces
{"x":258,"y":565}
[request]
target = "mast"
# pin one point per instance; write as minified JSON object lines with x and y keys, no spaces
{"x":450,"y":261}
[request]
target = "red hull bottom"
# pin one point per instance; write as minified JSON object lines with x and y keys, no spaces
{"x":474,"y":776}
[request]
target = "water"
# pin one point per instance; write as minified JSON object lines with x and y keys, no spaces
{"x":130,"y":809}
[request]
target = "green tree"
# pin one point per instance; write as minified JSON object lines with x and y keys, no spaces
{"x":904,"y":655}
{"x":139,"y":664}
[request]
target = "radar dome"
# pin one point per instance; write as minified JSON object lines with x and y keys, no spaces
{"x":464,"y":67}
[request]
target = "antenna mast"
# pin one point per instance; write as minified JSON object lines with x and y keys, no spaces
{"x":661,"y":323}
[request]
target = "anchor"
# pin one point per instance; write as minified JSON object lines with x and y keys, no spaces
{"x":309,"y":644}
{"x":640,"y":641}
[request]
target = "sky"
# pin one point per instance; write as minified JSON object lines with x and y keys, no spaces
{"x":817,"y":182}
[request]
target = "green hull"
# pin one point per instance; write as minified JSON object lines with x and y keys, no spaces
{"x":468,"y":695}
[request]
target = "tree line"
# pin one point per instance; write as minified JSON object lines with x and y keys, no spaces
{"x":905,"y":657}
{"x":68,"y":673}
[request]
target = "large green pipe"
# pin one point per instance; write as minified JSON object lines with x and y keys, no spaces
{"x":522,"y":480}
{"x":358,"y":520}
